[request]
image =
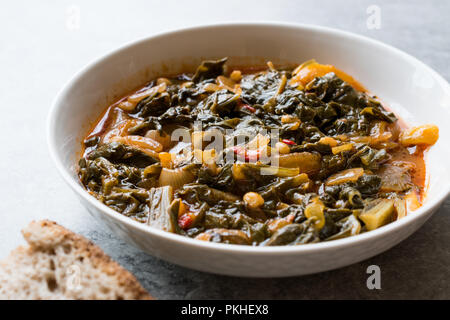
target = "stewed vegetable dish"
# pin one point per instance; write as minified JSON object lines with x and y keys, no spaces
{"x":257,"y":156}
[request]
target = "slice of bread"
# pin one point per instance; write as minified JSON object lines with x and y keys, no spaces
{"x":59,"y":264}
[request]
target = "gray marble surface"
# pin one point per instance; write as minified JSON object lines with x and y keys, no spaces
{"x":43,"y":43}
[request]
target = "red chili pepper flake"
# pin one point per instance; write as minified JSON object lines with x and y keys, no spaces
{"x":248,"y":107}
{"x":238,"y":150}
{"x":185,"y":221}
{"x":289,"y":142}
{"x":252,"y":155}
{"x":248,"y":155}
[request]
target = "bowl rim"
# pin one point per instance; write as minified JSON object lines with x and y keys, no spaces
{"x":252,"y":250}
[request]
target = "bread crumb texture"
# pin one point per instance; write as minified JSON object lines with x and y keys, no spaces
{"x":59,"y":264}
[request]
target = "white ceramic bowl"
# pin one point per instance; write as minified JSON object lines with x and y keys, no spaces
{"x":413,"y":90}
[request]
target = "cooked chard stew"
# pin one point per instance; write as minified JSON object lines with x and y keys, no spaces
{"x":256,"y":156}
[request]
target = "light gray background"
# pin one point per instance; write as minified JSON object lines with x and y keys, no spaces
{"x":40,"y":51}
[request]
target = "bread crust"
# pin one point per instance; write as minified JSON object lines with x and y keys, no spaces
{"x":48,"y":238}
